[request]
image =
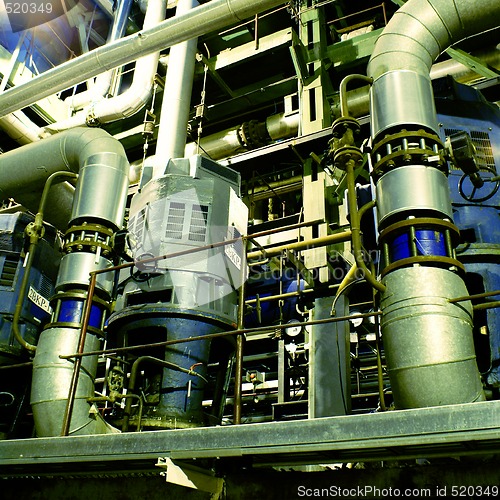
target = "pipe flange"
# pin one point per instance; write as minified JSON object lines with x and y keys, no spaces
{"x":408,"y":147}
{"x":346,"y":154}
{"x":341,"y":125}
{"x":253,"y":134}
{"x":88,"y":238}
{"x":422,"y":222}
{"x":426,"y":260}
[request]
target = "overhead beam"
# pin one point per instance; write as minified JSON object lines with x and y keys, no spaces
{"x":474,"y":63}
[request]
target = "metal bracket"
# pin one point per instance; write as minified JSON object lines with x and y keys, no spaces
{"x":191,"y":476}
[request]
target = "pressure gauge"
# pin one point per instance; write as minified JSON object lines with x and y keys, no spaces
{"x":293,"y":328}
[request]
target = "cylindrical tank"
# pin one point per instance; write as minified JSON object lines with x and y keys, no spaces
{"x":427,"y":340}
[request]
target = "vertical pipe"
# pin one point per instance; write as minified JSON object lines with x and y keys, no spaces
{"x":103,"y":81}
{"x":428,"y":344}
{"x":78,"y":360}
{"x":240,"y":340}
{"x":176,"y":102}
{"x":102,"y":163}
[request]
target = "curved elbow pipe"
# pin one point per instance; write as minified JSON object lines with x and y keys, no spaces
{"x":100,"y":199}
{"x":74,"y":150}
{"x":429,"y":345}
{"x":403,"y":55}
{"x":103,"y":81}
{"x":133,"y":99}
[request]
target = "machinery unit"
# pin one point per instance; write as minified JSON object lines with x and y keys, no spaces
{"x":193,"y":206}
{"x":250,"y":248}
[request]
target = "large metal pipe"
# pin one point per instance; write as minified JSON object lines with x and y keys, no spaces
{"x":401,"y":60}
{"x":29,"y":167}
{"x":135,"y":97}
{"x":429,"y":347}
{"x":211,"y":16}
{"x":99,"y":203}
{"x":176,"y":103}
{"x":232,"y":141}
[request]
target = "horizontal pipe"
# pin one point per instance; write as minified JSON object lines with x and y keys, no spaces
{"x":208,"y":17}
{"x":29,"y":167}
{"x":473,"y":297}
{"x":331,"y":239}
{"x":248,"y":331}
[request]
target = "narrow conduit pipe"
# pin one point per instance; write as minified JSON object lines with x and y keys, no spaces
{"x":429,"y":346}
{"x":135,"y":97}
{"x":231,"y":141}
{"x":208,"y":17}
{"x":100,"y":201}
{"x":174,"y":115}
{"x":34,"y":231}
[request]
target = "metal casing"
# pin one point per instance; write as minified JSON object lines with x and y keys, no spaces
{"x":52,"y":379}
{"x":428,"y":340}
{"x":195,"y":205}
{"x":74,"y":272}
{"x":35,"y":309}
{"x":101,"y":189}
{"x":396,"y":101}
{"x":411,"y":189}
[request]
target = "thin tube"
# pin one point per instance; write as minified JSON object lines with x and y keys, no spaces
{"x":473,"y":297}
{"x":35,"y":233}
{"x":356,"y":229}
{"x":249,"y":331}
{"x":240,"y":340}
{"x":78,"y":361}
{"x":344,"y":109}
{"x":133,"y":380}
{"x":303,"y":245}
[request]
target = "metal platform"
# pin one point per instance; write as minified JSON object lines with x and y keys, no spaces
{"x":446,"y":431}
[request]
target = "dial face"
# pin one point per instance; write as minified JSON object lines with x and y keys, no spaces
{"x":294,"y":329}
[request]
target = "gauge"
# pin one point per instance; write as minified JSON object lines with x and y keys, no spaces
{"x":294,"y":328}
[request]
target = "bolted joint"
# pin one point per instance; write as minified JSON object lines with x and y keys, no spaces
{"x":34,"y":231}
{"x":347,"y":155}
{"x":346,"y":125}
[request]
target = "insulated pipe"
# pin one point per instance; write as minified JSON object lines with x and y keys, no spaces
{"x":58,"y":211}
{"x":358,"y":99}
{"x":401,"y":60}
{"x":20,"y":128}
{"x":133,"y":99}
{"x":208,"y":17}
{"x":31,"y":165}
{"x":230,"y":141}
{"x":100,"y":197}
{"x":429,"y":347}
{"x":103,"y":81}
{"x":174,"y":115}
